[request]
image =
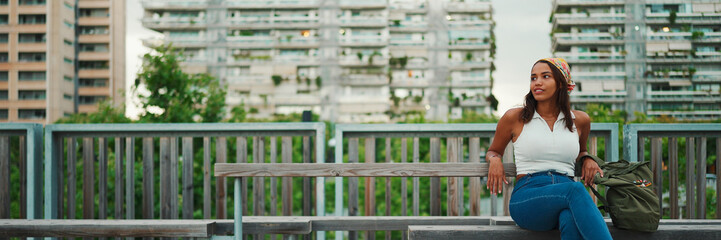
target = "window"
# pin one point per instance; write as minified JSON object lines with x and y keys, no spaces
{"x":31,"y":94}
{"x":89,"y":100}
{"x":67,"y":42}
{"x":31,"y":76}
{"x":94,"y":65}
{"x":93,"y":82}
{"x":94,"y":47}
{"x":3,"y":57}
{"x":31,"y":37}
{"x":31,"y":113}
{"x":68,"y":60}
{"x":32,"y":2}
{"x":3,"y":19}
{"x":94,"y":12}
{"x":67,"y":97}
{"x":3,"y":3}
{"x":67,"y":78}
{"x":94,"y":30}
{"x":68,"y":6}
{"x":3,"y":38}
{"x":31,"y":19}
{"x":3,"y":112}
{"x":4,"y":76}
{"x":31,"y":57}
{"x":67,"y":24}
{"x":3,"y":94}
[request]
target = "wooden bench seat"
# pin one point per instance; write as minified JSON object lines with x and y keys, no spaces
{"x":670,"y":231}
{"x":105,"y":228}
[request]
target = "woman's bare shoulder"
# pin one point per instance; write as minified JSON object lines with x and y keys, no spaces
{"x":581,"y":117}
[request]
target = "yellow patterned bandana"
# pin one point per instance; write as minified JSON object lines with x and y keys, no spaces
{"x":562,"y":67}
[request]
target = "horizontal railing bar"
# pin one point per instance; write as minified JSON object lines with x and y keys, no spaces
{"x":357,"y":169}
{"x":484,"y":134}
{"x":12,"y":132}
{"x":184,"y":133}
{"x":353,"y":223}
{"x":189,"y":127}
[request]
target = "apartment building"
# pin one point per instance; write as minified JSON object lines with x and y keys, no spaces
{"x":349,"y":61}
{"x":658,"y":57}
{"x":58,"y":58}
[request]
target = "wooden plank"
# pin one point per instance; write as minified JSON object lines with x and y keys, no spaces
{"x":221,"y":187}
{"x":435,"y":197}
{"x":72,"y":174}
{"x":508,"y":188}
{"x":188,"y":177}
{"x":165,"y":190}
{"x":242,"y":157}
{"x":370,"y":184}
{"x":206,"y":178}
{"x":357,"y":170}
{"x":701,"y":178}
{"x":130,"y":178}
{"x":267,"y":225}
{"x":119,"y":198}
{"x":258,"y":182}
{"x":174,"y":177}
{"x":273,"y":180}
{"x":287,"y":185}
{"x":474,"y":185}
{"x":404,"y":180}
{"x":307,"y":189}
{"x":389,"y":223}
{"x":718,"y":173}
{"x":388,"y":185}
{"x":22,"y":166}
{"x":4,"y":177}
{"x":452,"y":188}
{"x":673,"y":177}
{"x":690,"y":178}
{"x":459,"y":182}
{"x":416,"y":184}
{"x":105,"y":228}
{"x":657,"y":162}
{"x":352,"y":184}
{"x":88,"y":179}
{"x":665,"y":232}
{"x":102,"y":178}
{"x":148,"y":183}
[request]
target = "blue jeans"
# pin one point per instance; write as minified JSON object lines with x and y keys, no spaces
{"x":549,"y":200}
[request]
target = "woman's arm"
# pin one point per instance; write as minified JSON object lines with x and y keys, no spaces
{"x":494,"y":156}
{"x":590,"y":167}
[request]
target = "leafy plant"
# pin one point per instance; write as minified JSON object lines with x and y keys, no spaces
{"x":277,"y":79}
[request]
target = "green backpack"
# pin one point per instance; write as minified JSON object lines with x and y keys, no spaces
{"x":630,"y":197}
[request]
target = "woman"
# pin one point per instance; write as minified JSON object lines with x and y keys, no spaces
{"x":547,"y":145}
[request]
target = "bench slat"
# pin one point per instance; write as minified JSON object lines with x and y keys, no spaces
{"x":105,"y":228}
{"x":513,"y":232}
{"x":357,"y":170}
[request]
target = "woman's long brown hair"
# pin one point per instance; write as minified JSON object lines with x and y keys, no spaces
{"x":562,"y":99}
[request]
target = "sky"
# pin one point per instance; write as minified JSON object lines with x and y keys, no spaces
{"x":521,"y":30}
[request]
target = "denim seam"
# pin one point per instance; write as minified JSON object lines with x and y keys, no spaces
{"x":536,"y":197}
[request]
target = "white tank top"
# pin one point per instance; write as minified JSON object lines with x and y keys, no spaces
{"x":540,"y":149}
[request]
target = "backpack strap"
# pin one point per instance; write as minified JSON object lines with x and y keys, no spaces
{"x":605,"y":206}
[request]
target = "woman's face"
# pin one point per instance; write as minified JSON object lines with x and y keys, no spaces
{"x":543,"y":83}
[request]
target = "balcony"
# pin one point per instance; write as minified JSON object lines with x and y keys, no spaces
{"x":175,"y":23}
{"x":684,"y":18}
{"x":297,"y":60}
{"x":411,"y":82}
{"x":297,"y":42}
{"x":592,"y":57}
{"x":364,"y":21}
{"x":586,"y":39}
{"x":471,"y":82}
{"x":411,"y":6}
{"x":276,"y":4}
{"x":296,"y":100}
{"x":364,"y":41}
{"x":364,"y":80}
{"x":175,"y":4}
{"x":178,"y":42}
{"x":251,"y":41}
{"x":408,"y":26}
{"x":365,"y":4}
{"x":354,"y":61}
{"x":470,"y":7}
{"x":589,"y":19}
{"x":586,"y":3}
{"x":708,"y":37}
{"x":469,"y":44}
{"x":468,"y":65}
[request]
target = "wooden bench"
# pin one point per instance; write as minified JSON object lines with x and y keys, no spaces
{"x":105,"y":228}
{"x":682,"y":230}
{"x":354,"y":223}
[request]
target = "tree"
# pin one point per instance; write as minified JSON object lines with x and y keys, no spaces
{"x":173,"y":95}
{"x":107,"y":113}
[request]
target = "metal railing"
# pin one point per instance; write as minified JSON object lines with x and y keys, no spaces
{"x":29,"y":162}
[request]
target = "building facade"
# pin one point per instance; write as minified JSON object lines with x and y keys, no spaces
{"x":60,"y":57}
{"x":348,"y":61}
{"x":658,"y":57}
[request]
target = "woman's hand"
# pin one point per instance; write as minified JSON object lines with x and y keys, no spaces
{"x":496,"y":175}
{"x":590,"y":168}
